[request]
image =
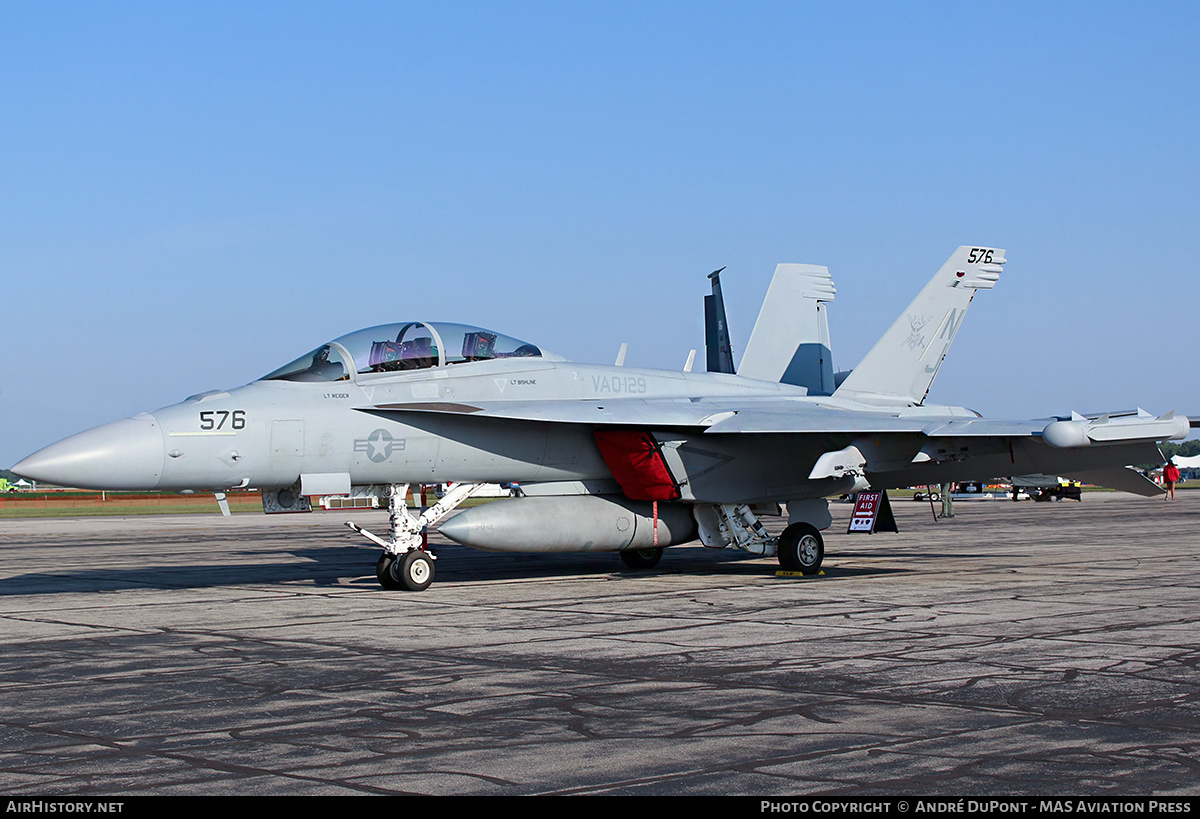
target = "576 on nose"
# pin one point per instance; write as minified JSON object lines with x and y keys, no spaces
{"x":215,"y":419}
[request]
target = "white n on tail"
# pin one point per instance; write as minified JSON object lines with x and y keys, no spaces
{"x":902,"y":365}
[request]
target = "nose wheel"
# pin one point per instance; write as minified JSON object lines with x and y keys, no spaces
{"x":412,"y":571}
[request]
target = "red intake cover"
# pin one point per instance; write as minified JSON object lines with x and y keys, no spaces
{"x":636,"y":461}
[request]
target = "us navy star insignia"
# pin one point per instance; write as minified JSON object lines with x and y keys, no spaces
{"x":379,"y":445}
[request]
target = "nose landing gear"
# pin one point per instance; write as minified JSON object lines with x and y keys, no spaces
{"x":406,"y":562}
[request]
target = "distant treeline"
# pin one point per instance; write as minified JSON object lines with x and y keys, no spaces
{"x":1184,"y":450}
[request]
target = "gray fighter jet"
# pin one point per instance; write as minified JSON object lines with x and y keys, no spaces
{"x":607,"y":458}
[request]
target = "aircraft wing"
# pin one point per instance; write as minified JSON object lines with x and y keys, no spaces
{"x":780,"y":416}
{"x":747,"y":449}
{"x":662,"y":412}
{"x":904,"y":451}
{"x":720,"y":416}
{"x":845,"y":421}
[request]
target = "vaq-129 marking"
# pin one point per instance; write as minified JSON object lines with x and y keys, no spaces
{"x":609,"y":458}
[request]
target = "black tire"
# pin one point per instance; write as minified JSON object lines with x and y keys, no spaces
{"x":641,"y":558}
{"x":414,"y":571}
{"x":383,"y":572}
{"x":801,"y":549}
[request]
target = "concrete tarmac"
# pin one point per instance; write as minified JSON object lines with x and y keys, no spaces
{"x":1017,"y":649}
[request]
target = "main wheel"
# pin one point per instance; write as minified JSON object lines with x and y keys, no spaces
{"x":641,"y":558}
{"x":383,"y":572}
{"x":415,"y":570}
{"x":801,"y":549}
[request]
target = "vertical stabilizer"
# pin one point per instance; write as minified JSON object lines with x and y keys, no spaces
{"x":716,"y":329}
{"x":790,"y":340}
{"x":902,"y":365}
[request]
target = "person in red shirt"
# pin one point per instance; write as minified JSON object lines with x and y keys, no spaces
{"x":1170,"y":477}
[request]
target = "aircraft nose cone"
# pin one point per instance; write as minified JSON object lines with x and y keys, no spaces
{"x":126,"y":454}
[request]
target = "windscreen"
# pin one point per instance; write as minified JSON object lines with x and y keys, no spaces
{"x":323,"y":364}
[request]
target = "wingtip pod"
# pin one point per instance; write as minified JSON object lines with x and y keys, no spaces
{"x":1079,"y":431}
{"x":1066,"y":434}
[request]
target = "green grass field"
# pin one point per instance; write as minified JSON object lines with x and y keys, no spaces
{"x":68,"y":503}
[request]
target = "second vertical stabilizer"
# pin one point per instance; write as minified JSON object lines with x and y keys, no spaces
{"x":716,"y":329}
{"x":790,"y":340}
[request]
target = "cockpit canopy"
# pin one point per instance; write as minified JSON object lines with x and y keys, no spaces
{"x":415,"y":345}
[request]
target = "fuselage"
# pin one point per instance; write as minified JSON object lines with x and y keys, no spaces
{"x":268,"y":433}
{"x":423,"y":403}
{"x":289,"y":429}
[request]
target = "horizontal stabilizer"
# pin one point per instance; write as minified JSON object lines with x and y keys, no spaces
{"x":1121,"y":478}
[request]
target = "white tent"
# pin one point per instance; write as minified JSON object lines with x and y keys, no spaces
{"x":1188,"y":467}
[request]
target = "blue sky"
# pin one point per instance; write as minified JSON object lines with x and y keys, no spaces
{"x":192,"y":194}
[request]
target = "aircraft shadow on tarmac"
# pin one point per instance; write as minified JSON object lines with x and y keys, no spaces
{"x":354,"y":566}
{"x":467,"y":566}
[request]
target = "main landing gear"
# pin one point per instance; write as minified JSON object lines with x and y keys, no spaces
{"x":641,"y":558}
{"x":799,"y":549}
{"x":407,"y":562}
